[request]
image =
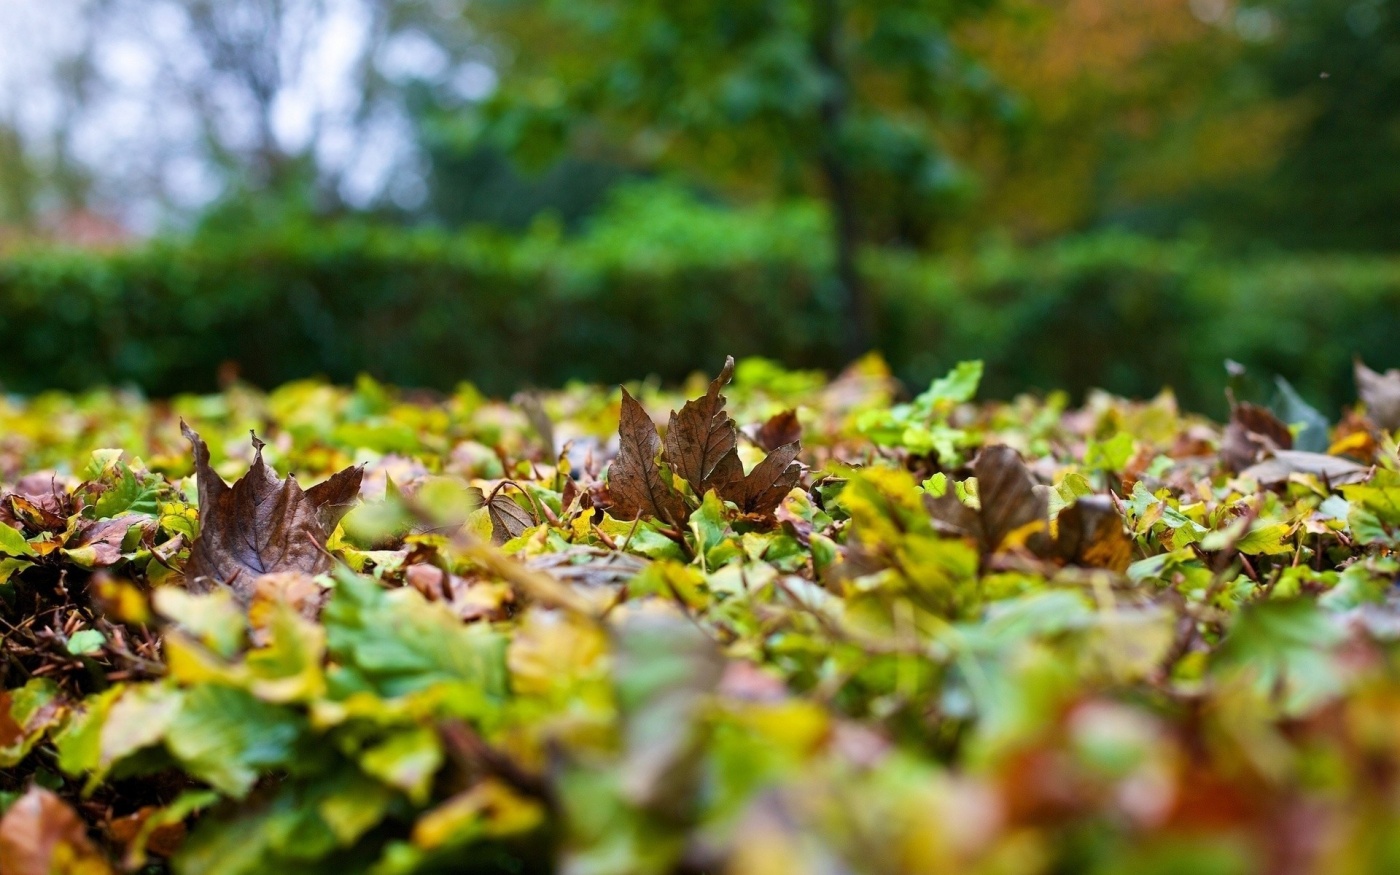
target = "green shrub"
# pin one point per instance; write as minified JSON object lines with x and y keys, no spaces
{"x":663,"y":285}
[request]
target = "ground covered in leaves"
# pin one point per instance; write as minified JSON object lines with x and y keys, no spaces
{"x":771,"y":624}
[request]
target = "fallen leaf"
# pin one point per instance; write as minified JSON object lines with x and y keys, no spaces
{"x":634,"y":480}
{"x":1253,"y":431}
{"x":508,"y":519}
{"x":781,"y":428}
{"x":162,"y":839}
{"x":40,"y":835}
{"x":702,"y":441}
{"x":1284,"y":463}
{"x":1010,"y":498}
{"x":1091,"y":534}
{"x":34,"y":514}
{"x":99,"y":544}
{"x":1380,"y":393}
{"x":769,"y":482}
{"x":261,"y":525}
{"x":1012,"y":503}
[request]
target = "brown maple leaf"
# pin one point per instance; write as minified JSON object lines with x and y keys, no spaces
{"x":702,"y":448}
{"x":781,"y":428}
{"x":262,"y":525}
{"x":702,"y":442}
{"x":635,"y":483}
{"x":768,"y":483}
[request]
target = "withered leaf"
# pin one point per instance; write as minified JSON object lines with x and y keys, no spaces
{"x":99,"y":544}
{"x":1253,"y":431}
{"x":41,"y":834}
{"x":261,"y":525}
{"x":336,"y":496}
{"x":702,"y":441}
{"x":1010,"y":499}
{"x":1381,"y":395}
{"x":781,"y":428}
{"x":508,"y":519}
{"x":34,"y":513}
{"x":1333,"y":470}
{"x":768,"y":483}
{"x":1013,"y":504}
{"x":1091,"y":534}
{"x":634,"y":480}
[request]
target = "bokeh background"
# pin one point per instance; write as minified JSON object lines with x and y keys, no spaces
{"x":1115,"y":193}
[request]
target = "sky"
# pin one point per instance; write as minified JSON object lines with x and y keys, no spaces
{"x":140,"y":120}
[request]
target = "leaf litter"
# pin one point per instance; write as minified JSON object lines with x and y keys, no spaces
{"x":809,"y":627}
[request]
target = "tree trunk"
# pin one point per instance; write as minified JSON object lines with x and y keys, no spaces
{"x":846,"y":240}
{"x":836,"y":173}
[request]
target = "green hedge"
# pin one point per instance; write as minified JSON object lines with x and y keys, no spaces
{"x":652,"y":293}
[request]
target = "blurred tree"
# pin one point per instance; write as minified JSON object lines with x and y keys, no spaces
{"x":1339,"y":182}
{"x":1132,"y":111}
{"x":763,"y":96}
{"x":473,"y":182}
{"x":1269,"y":120}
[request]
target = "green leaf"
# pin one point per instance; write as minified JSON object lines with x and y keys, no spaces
{"x":407,"y":761}
{"x":32,"y":710}
{"x":86,"y":641}
{"x":1311,"y":426}
{"x":398,"y":642}
{"x":1284,"y":646}
{"x":12,"y":542}
{"x":958,"y":386}
{"x":1266,"y":539}
{"x":127,"y":494}
{"x":228,"y":738}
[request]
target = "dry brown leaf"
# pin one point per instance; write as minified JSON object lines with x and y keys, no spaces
{"x":1253,"y":432}
{"x":508,"y":519}
{"x":101,"y":541}
{"x":702,"y":442}
{"x":769,"y":482}
{"x":635,"y":483}
{"x":1091,"y":534}
{"x":1013,"y":504}
{"x":1333,"y":470}
{"x":781,"y":428}
{"x":261,"y":525}
{"x":1381,"y":395}
{"x":41,"y":835}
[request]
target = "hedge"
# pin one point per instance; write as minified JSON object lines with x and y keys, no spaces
{"x":428,"y":308}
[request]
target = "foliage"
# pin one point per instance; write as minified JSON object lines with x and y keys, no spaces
{"x":1097,"y":639}
{"x":429,"y":309}
{"x":841,"y":102}
{"x":763,"y":97}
